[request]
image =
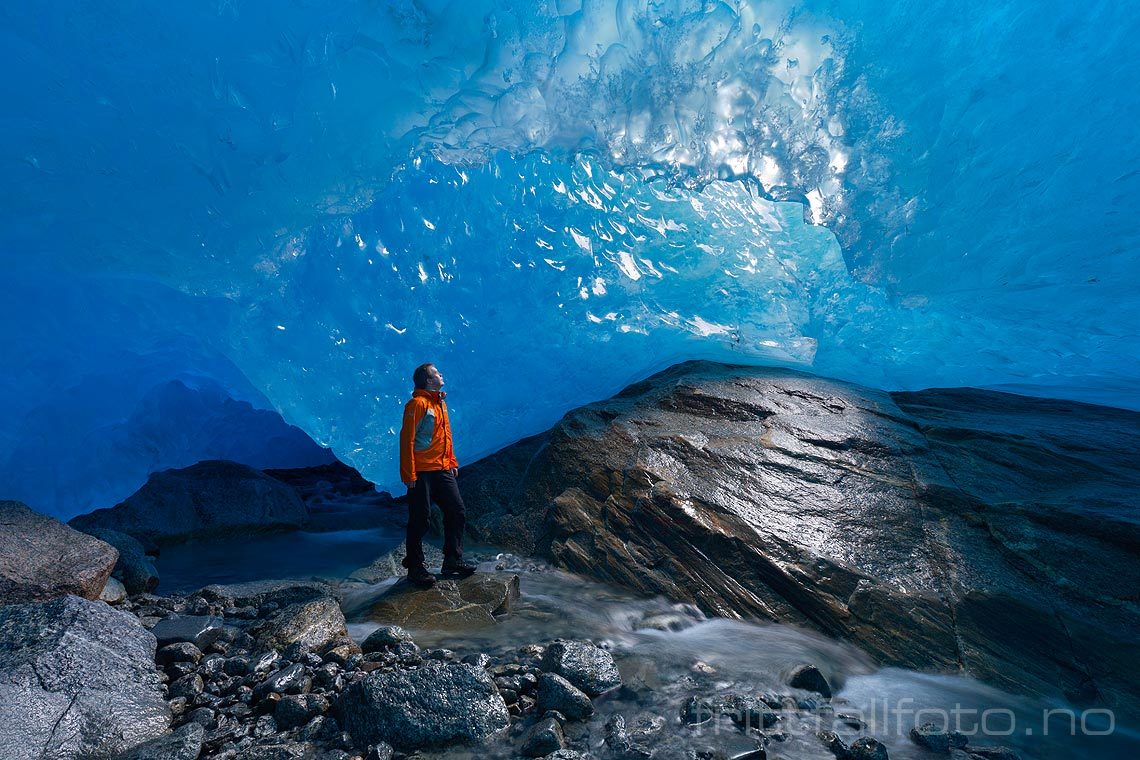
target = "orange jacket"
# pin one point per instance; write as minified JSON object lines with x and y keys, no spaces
{"x":425,"y":437}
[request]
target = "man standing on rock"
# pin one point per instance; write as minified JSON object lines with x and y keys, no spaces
{"x":428,"y":468}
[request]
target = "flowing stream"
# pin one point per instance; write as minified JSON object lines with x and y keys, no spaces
{"x":669,"y":652}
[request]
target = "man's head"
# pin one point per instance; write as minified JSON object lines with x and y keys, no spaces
{"x":427,"y":377}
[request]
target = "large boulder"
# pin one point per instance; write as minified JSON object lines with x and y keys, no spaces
{"x":77,"y":680}
{"x":41,"y":558}
{"x":433,"y":705}
{"x":450,"y":604}
{"x":208,"y":498}
{"x":959,"y":531}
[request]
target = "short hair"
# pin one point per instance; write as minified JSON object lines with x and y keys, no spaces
{"x":420,"y":376}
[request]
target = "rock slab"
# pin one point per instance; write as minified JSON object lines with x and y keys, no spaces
{"x":42,"y":559}
{"x":77,"y":680}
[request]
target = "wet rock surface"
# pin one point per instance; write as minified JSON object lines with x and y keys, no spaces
{"x":77,"y":680}
{"x":586,"y":666}
{"x":307,"y":625}
{"x":41,"y":558}
{"x":480,"y":599}
{"x":770,"y":494}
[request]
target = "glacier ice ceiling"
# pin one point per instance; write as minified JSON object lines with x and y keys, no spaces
{"x":289,"y":205}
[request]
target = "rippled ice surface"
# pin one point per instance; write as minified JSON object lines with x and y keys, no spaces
{"x":710,"y":656}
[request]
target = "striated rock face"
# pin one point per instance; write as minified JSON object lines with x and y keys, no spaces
{"x":403,"y":708}
{"x":77,"y":680}
{"x":966,"y":531}
{"x":207,"y":498}
{"x":449,"y":604}
{"x":41,"y":558}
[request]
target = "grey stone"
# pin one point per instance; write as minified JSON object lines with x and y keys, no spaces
{"x":185,"y":743}
{"x":402,"y":708}
{"x":747,"y":712}
{"x":385,"y":637}
{"x":42,"y":559}
{"x":543,"y":738}
{"x":298,"y":709}
{"x":266,"y":661}
{"x":478,"y":659}
{"x":620,"y":743}
{"x":208,"y":498}
{"x":113,"y":592}
{"x":77,"y":680}
{"x":586,"y":665}
{"x":281,"y":681}
{"x":188,"y":686}
{"x":936,"y":738}
{"x":697,"y":711}
{"x":809,"y":678}
{"x":556,"y":693}
{"x":181,"y":651}
{"x":259,"y":594}
{"x":306,"y":626}
{"x":278,"y":751}
{"x":866,"y":748}
{"x":199,"y":630}
{"x":134,"y":568}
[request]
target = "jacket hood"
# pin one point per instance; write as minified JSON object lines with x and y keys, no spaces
{"x":435,"y":395}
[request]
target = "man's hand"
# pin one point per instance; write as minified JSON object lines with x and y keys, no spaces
{"x":454,"y":471}
{"x":410,"y":484}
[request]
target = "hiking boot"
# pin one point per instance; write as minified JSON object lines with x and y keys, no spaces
{"x":419,"y":576}
{"x":452,"y":566}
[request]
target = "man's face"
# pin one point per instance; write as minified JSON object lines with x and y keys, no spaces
{"x":434,"y":380}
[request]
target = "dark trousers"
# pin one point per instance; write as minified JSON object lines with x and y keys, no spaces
{"x":438,"y":486}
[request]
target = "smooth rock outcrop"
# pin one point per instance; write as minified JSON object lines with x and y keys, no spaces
{"x":476,"y":600}
{"x":41,"y":558}
{"x":960,"y":531}
{"x":208,"y":498}
{"x":77,"y":680}
{"x":403,"y":708}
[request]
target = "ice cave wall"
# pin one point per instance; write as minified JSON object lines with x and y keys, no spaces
{"x":293,"y":203}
